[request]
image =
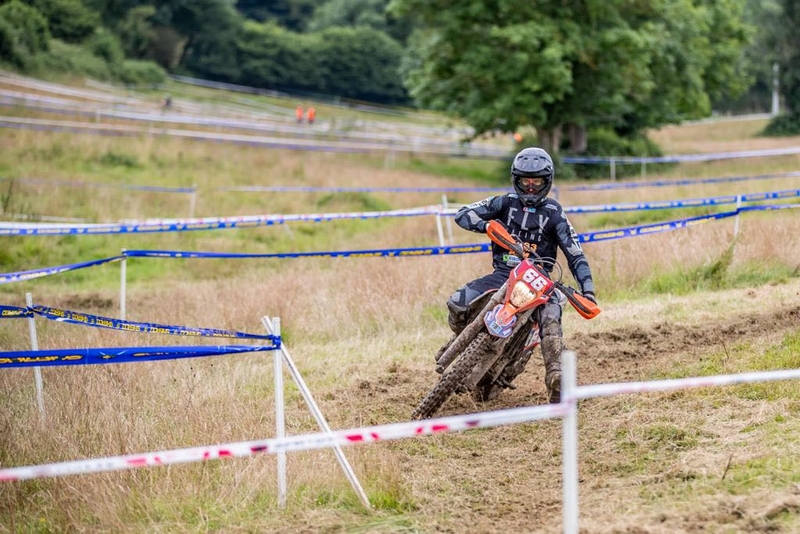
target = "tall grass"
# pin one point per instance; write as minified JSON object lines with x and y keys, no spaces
{"x":362,"y":331}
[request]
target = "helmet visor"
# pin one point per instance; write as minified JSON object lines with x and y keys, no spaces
{"x":530,"y":185}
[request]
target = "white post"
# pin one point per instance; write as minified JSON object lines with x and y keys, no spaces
{"x":736,"y":220}
{"x":280,"y":416}
{"x":569,"y":443}
{"x":439,"y":230}
{"x":323,"y":424}
{"x":37,"y":371}
{"x":613,"y":165}
{"x":123,"y":274}
{"x":776,"y":97}
{"x":446,"y":206}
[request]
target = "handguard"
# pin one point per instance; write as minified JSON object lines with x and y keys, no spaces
{"x":585,"y":307}
{"x":498,"y":234}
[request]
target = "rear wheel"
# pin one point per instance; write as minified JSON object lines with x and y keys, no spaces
{"x":455,"y":374}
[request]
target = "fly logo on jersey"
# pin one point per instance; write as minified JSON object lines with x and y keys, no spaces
{"x":530,"y":224}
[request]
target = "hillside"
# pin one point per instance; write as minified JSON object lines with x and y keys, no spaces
{"x":363,"y":332}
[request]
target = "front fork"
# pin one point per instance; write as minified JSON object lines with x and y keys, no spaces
{"x":499,"y":345}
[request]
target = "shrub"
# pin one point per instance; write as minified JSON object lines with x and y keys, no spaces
{"x":23,"y":33}
{"x":784,"y":125}
{"x":73,"y":59}
{"x":138,"y":72}
{"x":604,"y":142}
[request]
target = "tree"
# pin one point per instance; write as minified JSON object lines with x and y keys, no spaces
{"x":23,"y":33}
{"x":68,"y":20}
{"x":202,"y":33}
{"x":290,"y":14}
{"x":788,"y":46}
{"x":564,"y":67}
{"x":360,"y":63}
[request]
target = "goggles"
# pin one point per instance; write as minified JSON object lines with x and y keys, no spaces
{"x":526,"y":182}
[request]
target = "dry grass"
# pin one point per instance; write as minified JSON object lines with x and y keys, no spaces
{"x":363,"y":332}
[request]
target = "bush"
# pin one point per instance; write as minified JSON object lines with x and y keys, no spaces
{"x":606,"y":143}
{"x":23,"y":33}
{"x":73,"y":59}
{"x":785,"y":125}
{"x":137,"y":72}
{"x":106,"y":46}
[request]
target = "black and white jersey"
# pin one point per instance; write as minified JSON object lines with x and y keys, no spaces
{"x":545,"y":226}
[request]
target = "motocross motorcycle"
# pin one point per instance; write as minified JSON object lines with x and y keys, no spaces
{"x":497,"y":343}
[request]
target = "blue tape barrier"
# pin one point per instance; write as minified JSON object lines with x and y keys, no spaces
{"x":57,"y":357}
{"x":14,"y":312}
{"x":218,"y":223}
{"x":673,"y":183}
{"x":48,"y":271}
{"x":374,"y":253}
{"x":403,"y":252}
{"x":85,"y":319}
{"x":688,"y":203}
{"x":209,"y":223}
{"x":299,"y":189}
{"x":684,"y":158}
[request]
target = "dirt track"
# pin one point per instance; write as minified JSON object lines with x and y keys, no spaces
{"x":509,"y":479}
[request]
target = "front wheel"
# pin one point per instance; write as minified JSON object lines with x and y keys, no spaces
{"x":455,"y":374}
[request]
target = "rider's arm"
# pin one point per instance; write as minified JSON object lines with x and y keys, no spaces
{"x":576,"y":260}
{"x":474,"y":217}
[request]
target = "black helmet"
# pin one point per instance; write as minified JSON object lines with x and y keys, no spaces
{"x":532,"y":162}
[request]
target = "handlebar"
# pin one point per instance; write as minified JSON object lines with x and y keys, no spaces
{"x":498,"y":234}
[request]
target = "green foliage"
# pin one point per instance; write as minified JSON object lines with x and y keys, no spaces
{"x":23,"y":33}
{"x":549,"y":65}
{"x":789,"y":53}
{"x":72,"y":59}
{"x":68,"y":20}
{"x":606,"y":142}
{"x":270,"y":56}
{"x":138,"y":72}
{"x":354,"y":63}
{"x":106,"y":46}
{"x":210,"y":27}
{"x":784,"y":125}
{"x":290,"y":14}
{"x":360,"y":63}
{"x":357,"y":201}
{"x":114,"y":159}
{"x":488,"y":172}
{"x":136,"y":32}
{"x":716,"y":275}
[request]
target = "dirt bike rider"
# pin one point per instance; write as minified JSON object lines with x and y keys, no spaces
{"x":540,"y":221}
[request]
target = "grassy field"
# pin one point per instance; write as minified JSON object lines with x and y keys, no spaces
{"x":363,"y":332}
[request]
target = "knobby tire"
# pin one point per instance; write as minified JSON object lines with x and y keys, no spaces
{"x":451,"y":379}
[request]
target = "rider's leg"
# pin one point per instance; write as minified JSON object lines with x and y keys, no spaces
{"x":463,"y":303}
{"x":552,"y":346}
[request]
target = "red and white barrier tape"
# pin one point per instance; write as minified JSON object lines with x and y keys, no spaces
{"x":621,"y":388}
{"x":290,"y":443}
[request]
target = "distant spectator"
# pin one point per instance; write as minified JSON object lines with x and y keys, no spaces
{"x":311,"y":114}
{"x":166,"y":104}
{"x":298,"y":112}
{"x":518,"y":137}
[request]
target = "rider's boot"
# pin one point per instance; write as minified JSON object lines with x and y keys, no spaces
{"x":457,"y":319}
{"x":552,"y":346}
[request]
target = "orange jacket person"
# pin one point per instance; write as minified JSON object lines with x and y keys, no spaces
{"x":298,"y":112}
{"x":311,"y":114}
